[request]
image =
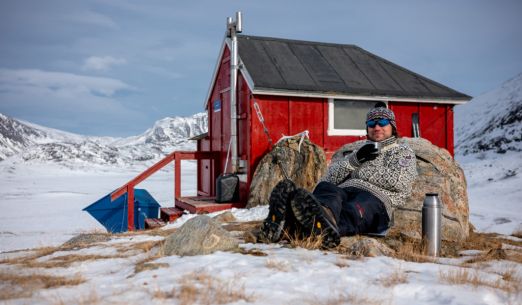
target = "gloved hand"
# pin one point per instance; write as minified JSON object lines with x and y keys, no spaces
{"x":367,"y":152}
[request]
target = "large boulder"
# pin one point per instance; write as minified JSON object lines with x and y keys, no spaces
{"x":303,"y":161}
{"x":438,"y":173}
{"x":198,"y":236}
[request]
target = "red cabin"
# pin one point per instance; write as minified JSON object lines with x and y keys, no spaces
{"x":324,"y":88}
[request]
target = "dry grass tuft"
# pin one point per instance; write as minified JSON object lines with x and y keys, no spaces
{"x":509,"y":283}
{"x":89,"y":298}
{"x":412,"y":251}
{"x":311,"y":242}
{"x":37,"y":253}
{"x":17,"y":286}
{"x":397,"y":277}
{"x":481,"y":241}
{"x":277,"y":265}
{"x":145,"y":263}
{"x":493,"y":254}
{"x":145,"y":246}
{"x":253,"y":252}
{"x":205,"y":289}
{"x":62,"y":261}
{"x":346,"y":298}
{"x":143,"y":266}
{"x":491,"y":246}
{"x":462,"y":276}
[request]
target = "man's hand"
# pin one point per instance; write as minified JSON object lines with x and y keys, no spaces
{"x":367,"y":152}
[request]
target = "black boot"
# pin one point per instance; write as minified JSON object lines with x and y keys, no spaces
{"x":273,"y":225}
{"x":315,"y":218}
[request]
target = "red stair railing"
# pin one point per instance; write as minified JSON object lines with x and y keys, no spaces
{"x":176,"y":156}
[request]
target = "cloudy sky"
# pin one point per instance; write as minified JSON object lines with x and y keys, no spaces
{"x":115,"y":67}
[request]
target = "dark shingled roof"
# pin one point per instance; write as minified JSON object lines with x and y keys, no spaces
{"x":283,"y":64}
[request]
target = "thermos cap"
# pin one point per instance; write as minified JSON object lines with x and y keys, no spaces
{"x":432,"y":201}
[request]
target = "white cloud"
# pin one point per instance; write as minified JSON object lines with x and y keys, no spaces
{"x":94,"y":18}
{"x":27,"y":79}
{"x":65,"y":100}
{"x":102,"y":63}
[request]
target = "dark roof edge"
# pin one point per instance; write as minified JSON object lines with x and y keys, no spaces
{"x":326,"y":94}
{"x":295,"y":40}
{"x":199,"y":136}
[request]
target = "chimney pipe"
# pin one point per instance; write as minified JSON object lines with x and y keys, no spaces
{"x":233,"y":27}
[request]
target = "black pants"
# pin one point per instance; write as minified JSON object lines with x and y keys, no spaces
{"x":356,"y":211}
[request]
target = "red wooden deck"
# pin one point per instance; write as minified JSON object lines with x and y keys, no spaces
{"x":202,"y":205}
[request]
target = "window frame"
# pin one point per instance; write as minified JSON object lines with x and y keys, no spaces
{"x":332,"y":131}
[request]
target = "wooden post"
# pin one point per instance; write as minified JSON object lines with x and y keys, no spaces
{"x":177,"y":175}
{"x":130,"y":207}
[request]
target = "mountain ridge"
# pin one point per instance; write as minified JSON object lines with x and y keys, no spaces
{"x":30,"y":142}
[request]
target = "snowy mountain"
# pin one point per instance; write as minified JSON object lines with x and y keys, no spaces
{"x":489,"y":149}
{"x":491,"y":121}
{"x":169,"y":131}
{"x":14,"y":136}
{"x":29,"y":142}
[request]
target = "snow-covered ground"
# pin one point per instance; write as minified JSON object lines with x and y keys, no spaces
{"x":42,"y":205}
{"x":494,"y":191}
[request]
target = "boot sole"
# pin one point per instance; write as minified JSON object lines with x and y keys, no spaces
{"x":309,"y":213}
{"x":273,"y":225}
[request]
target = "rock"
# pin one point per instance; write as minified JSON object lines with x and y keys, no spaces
{"x":250,"y":237}
{"x":304,"y":164}
{"x":225,"y":217}
{"x":363,"y":246}
{"x":198,"y":236}
{"x":438,"y":173}
{"x":86,"y":239}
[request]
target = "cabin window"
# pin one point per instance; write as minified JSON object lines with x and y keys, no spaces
{"x":347,"y":117}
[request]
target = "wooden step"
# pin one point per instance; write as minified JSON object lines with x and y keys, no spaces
{"x":170,"y":214}
{"x":153,"y":223}
{"x":201,"y":204}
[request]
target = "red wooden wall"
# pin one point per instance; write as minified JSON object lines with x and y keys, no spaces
{"x":435,"y":122}
{"x":291,"y":115}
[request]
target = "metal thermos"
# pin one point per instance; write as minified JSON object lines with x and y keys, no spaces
{"x":431,"y":223}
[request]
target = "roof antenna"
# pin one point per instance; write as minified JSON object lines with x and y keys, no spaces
{"x":234,"y":27}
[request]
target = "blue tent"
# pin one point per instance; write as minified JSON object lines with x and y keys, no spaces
{"x":113,"y":215}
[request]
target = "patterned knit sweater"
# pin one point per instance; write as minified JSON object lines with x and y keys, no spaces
{"x":389,"y":177}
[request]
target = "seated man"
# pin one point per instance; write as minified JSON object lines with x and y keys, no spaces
{"x":358,"y":193}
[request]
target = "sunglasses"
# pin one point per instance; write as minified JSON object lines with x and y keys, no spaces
{"x":380,"y":122}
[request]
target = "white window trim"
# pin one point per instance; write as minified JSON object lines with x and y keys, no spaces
{"x":344,"y":132}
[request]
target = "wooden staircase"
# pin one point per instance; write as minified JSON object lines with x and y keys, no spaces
{"x":195,"y":204}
